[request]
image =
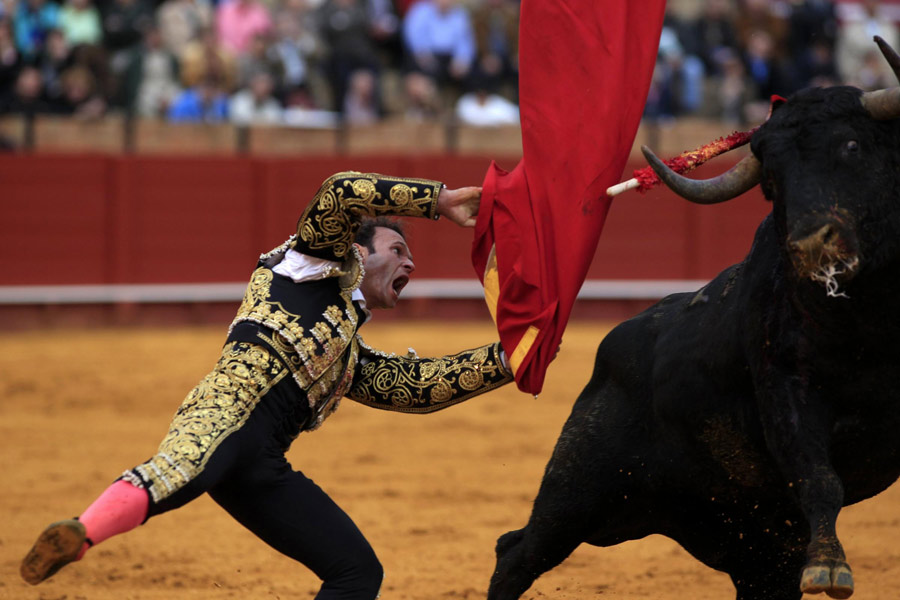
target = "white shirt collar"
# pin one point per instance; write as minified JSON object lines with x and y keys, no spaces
{"x":357,"y":296}
{"x":302,"y":267}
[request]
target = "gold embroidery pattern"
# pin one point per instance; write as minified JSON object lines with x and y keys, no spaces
{"x":318,"y":348}
{"x":278,"y":249}
{"x":415,"y":385}
{"x":314,"y":356}
{"x":256,"y":307}
{"x":331,"y":220}
{"x":324,"y":395}
{"x":352,"y":272}
{"x":367,"y":349}
{"x":218,"y":406}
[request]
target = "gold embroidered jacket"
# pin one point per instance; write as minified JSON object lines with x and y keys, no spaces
{"x":312,"y":326}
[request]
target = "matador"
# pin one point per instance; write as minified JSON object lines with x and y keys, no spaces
{"x":292,"y":353}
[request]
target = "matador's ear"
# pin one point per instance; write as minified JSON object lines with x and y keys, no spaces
{"x":363,"y":251}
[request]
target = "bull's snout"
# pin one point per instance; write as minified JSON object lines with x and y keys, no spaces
{"x":823,"y":239}
{"x":827,"y":253}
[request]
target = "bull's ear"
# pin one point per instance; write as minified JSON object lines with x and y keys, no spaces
{"x":775,"y":102}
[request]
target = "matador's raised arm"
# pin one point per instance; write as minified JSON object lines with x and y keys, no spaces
{"x":328,"y":226}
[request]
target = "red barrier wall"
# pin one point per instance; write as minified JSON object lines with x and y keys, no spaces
{"x":73,"y":219}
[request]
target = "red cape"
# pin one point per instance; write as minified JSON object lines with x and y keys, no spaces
{"x":585,"y":68}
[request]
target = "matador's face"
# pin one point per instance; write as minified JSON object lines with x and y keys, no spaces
{"x":387,"y":268}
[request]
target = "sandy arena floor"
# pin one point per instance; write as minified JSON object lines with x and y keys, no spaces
{"x":432,"y":493}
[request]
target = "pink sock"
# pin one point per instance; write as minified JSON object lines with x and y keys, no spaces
{"x":120,"y":508}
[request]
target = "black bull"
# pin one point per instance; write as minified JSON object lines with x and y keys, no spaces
{"x":739,"y":419}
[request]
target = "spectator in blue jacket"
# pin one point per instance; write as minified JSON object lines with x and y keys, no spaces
{"x":32,"y":20}
{"x":207,"y":102}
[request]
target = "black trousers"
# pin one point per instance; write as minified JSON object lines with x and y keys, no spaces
{"x":247,"y":474}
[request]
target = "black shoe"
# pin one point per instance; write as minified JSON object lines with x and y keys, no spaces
{"x":57,"y":546}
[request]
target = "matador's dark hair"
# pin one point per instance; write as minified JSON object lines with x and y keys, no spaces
{"x":366,"y":233}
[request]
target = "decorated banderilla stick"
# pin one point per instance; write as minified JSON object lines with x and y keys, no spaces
{"x":646,"y":178}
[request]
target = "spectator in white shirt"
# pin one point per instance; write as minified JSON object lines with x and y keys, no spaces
{"x":255,"y":104}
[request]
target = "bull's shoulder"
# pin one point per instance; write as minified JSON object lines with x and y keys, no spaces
{"x":711,"y":326}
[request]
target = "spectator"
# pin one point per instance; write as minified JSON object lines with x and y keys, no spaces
{"x":858,"y":60}
{"x":766,"y":74}
{"x":207,"y":102}
{"x":27,"y":95}
{"x":255,"y":104}
{"x":206,"y":59}
{"x":79,"y":21}
{"x":150,"y":83}
{"x":712,"y":37}
{"x":345,"y":28}
{"x":815,"y":66}
{"x":10,"y":62}
{"x":124,"y":23}
{"x":677,"y":82}
{"x":762,"y":15}
{"x":55,"y":60}
{"x":384,"y":30}
{"x":811,"y":21}
{"x":182,"y":22}
{"x":32,"y":20}
{"x":423,"y":103}
{"x":361,"y":105}
{"x":81,"y":97}
{"x":96,"y":61}
{"x":763,"y":66}
{"x":733,"y":90}
{"x":439,"y":41}
{"x":239,"y":20}
{"x":482,"y":108}
{"x":659,"y":106}
{"x":811,"y":41}
{"x":294,"y":45}
{"x":496,"y":29}
{"x":259,"y":57}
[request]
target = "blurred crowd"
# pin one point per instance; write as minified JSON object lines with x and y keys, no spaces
{"x":260,"y":61}
{"x":727,"y":61}
{"x":318,"y":62}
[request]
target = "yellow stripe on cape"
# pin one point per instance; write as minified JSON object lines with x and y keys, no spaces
{"x":492,"y":298}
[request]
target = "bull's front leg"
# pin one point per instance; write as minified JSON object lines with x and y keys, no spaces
{"x":797,"y":428}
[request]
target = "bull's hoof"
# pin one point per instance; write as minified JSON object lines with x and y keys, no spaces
{"x":835,"y":581}
{"x":841,"y":582}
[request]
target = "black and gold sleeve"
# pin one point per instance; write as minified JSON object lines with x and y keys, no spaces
{"x":425,"y":385}
{"x":328,"y":226}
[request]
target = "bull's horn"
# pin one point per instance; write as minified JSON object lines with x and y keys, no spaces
{"x":884,"y":104}
{"x":890,"y":55}
{"x":734,"y":182}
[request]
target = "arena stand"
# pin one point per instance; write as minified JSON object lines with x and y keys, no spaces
{"x":111,"y":223}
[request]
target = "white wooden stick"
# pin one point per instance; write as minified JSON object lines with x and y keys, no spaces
{"x":623,"y":187}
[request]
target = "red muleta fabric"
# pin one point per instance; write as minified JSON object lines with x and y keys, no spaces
{"x":585,"y":68}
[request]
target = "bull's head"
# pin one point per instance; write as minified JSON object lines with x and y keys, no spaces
{"x":828,"y":167}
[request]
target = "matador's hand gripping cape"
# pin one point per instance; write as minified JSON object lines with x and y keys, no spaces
{"x":585,"y":68}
